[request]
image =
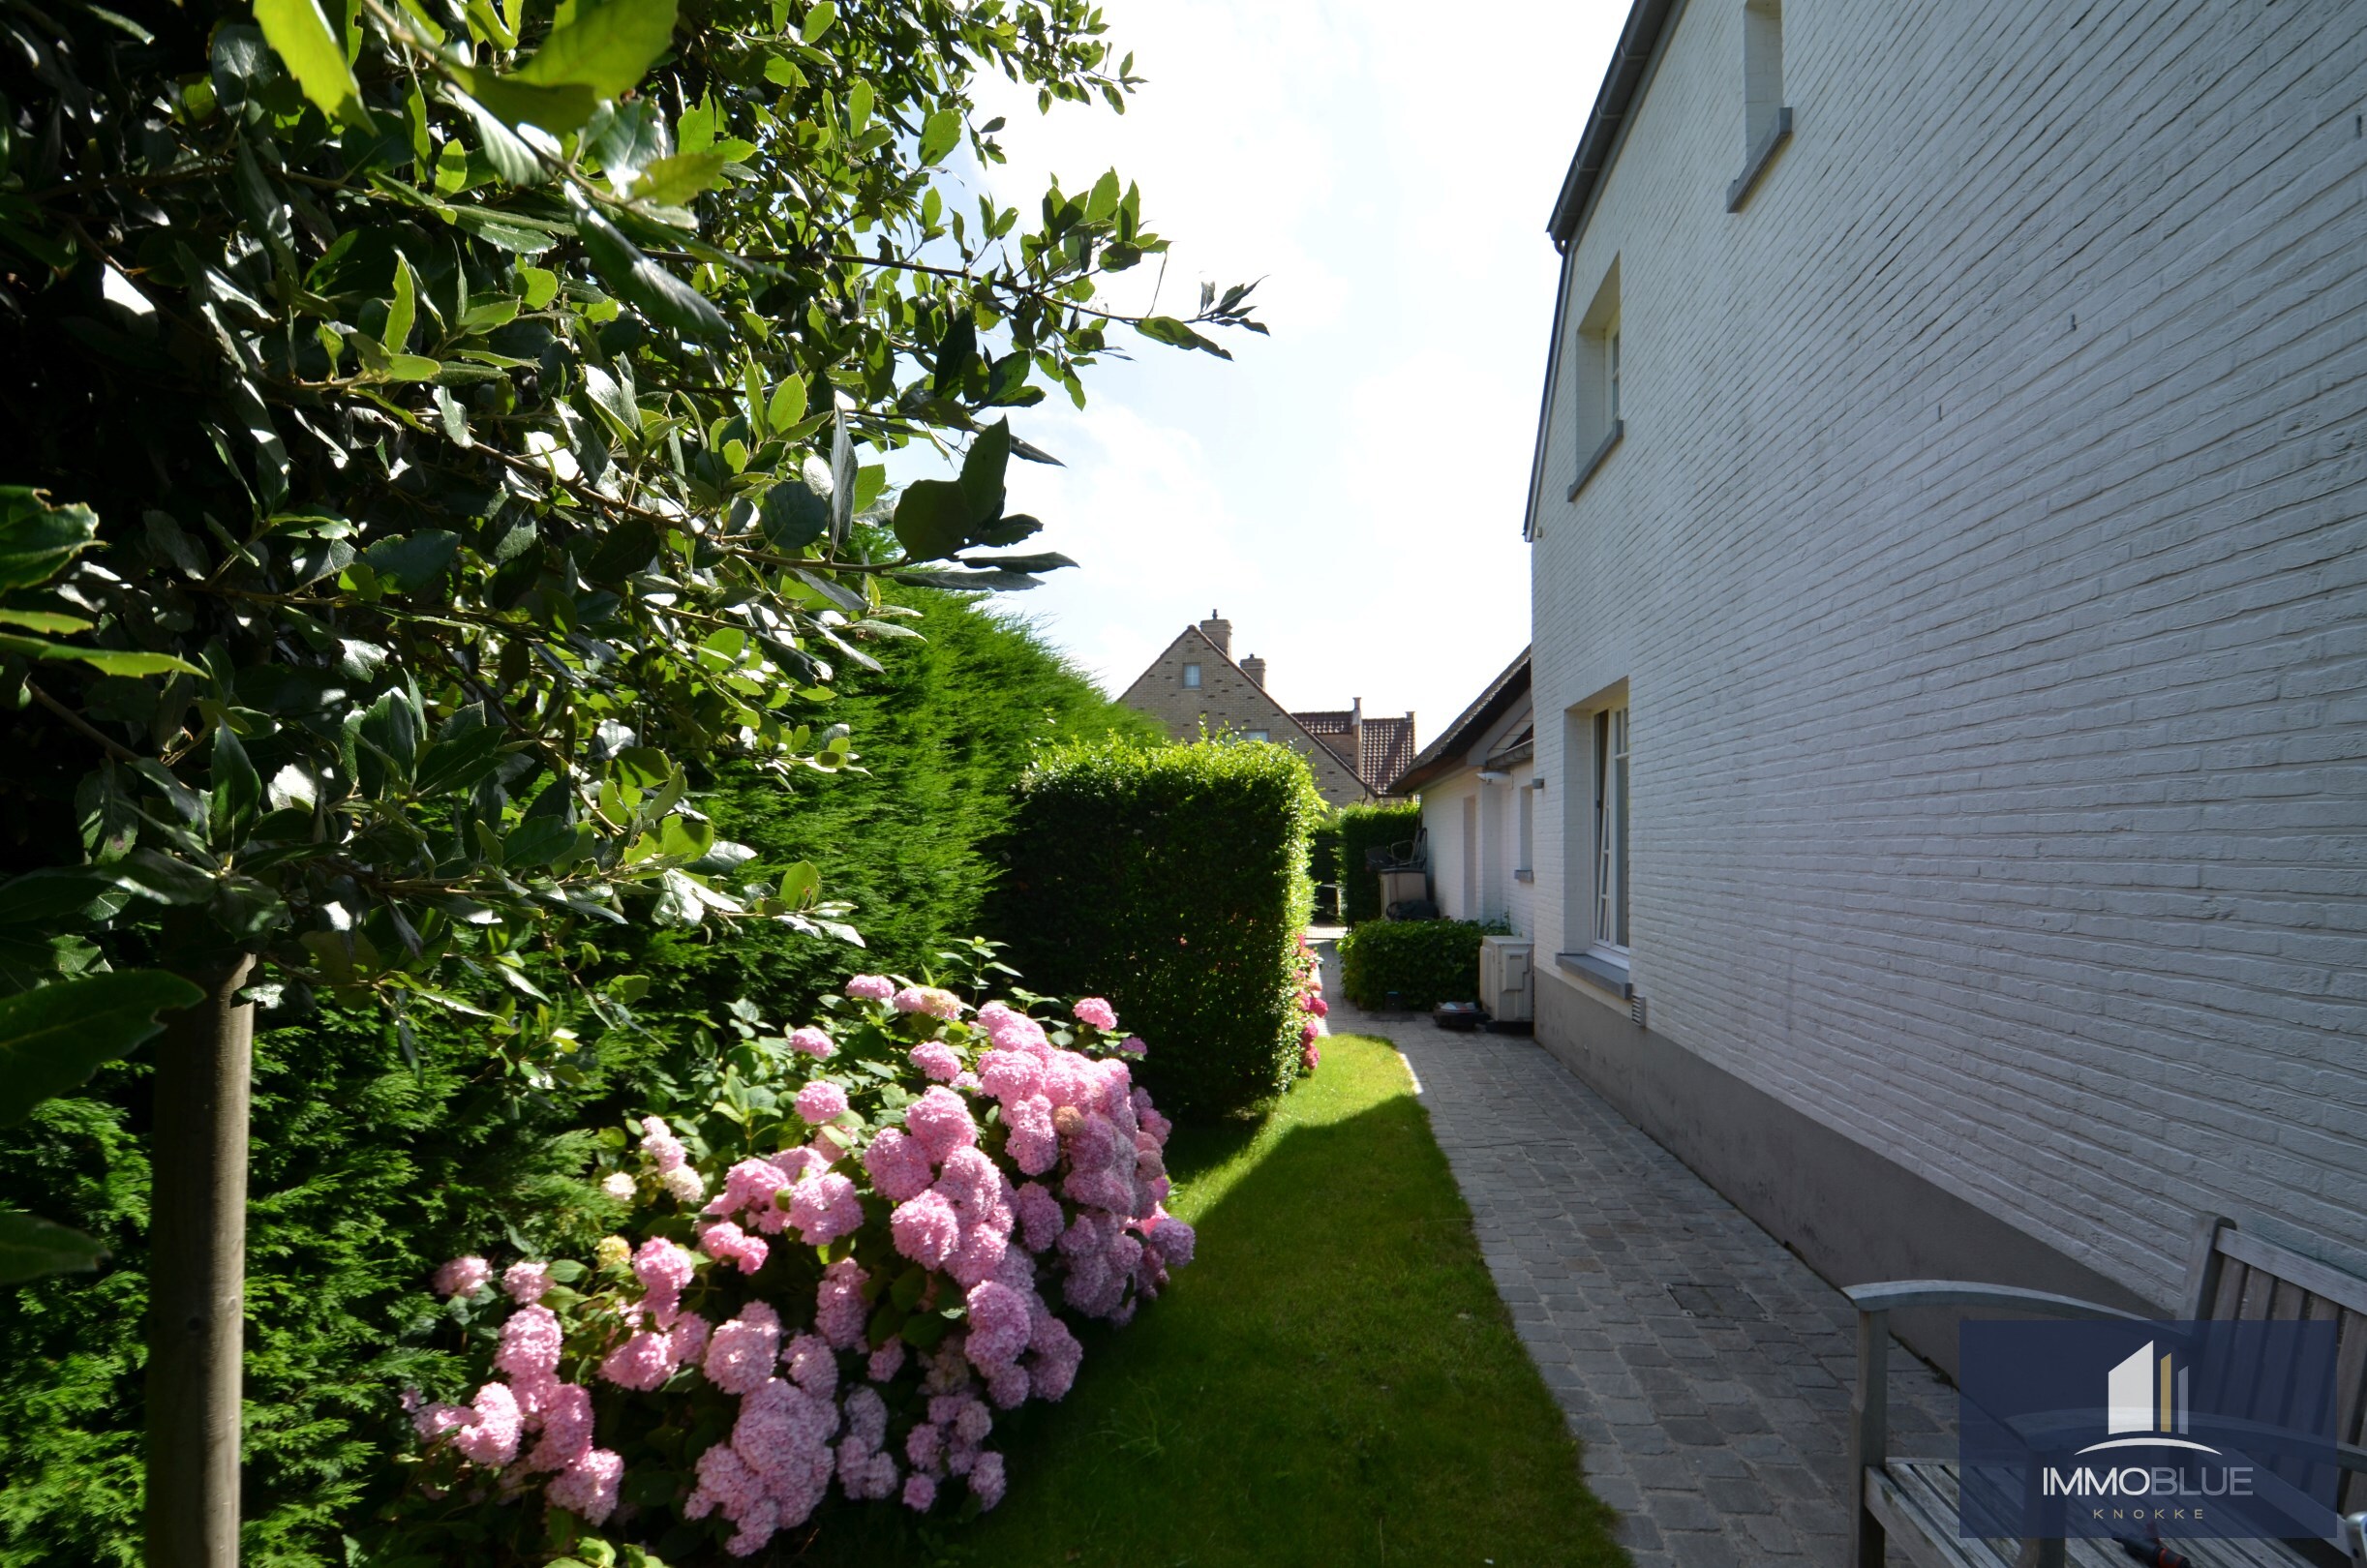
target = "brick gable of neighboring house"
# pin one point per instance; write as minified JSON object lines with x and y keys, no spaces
{"x":1227,"y":699}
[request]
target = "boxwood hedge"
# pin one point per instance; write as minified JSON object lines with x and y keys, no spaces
{"x":1172,"y":881}
{"x":1425,"y":962}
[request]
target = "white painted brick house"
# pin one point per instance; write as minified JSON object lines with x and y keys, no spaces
{"x":1950,"y":506}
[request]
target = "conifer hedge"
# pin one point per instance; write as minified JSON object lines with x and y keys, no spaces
{"x":1172,"y":881}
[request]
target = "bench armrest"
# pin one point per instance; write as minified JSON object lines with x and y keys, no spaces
{"x":1898,"y":1295}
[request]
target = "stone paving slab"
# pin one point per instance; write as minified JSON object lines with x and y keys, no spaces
{"x":1705,"y":1368}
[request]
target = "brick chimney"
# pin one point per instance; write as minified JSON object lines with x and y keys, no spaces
{"x":1217,"y":631}
{"x":1253,"y":667}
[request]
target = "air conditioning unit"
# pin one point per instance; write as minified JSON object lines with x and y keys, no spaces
{"x":1506,"y":987}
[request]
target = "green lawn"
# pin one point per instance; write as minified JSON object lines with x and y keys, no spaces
{"x":1332,"y":1382}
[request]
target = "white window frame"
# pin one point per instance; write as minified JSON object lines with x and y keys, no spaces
{"x":1611,"y":933}
{"x":1190,"y":677}
{"x":1597,"y":413}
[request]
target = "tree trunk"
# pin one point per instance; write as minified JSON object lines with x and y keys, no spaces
{"x":197,"y":1264}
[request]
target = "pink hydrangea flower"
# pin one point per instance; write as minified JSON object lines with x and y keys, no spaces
{"x":1094,"y":1010}
{"x":1054,"y":1355}
{"x":462,"y":1276}
{"x":840,"y":1309}
{"x":824,"y":1207}
{"x":1312,"y":1057}
{"x":821,"y":1101}
{"x":659,"y":1145}
{"x":1319,"y":1007}
{"x":491,"y":1436}
{"x":530,"y":1341}
{"x":689,"y":1335}
{"x":813,"y":1365}
{"x":999,"y":1326}
{"x":683,"y":1184}
{"x":1010,"y":1076}
{"x":740,"y":1354}
{"x":986,"y":1479}
{"x":811,"y":1042}
{"x":1174,"y":1239}
{"x":920,"y":1494}
{"x":1011,"y":1030}
{"x":588,"y":1486}
{"x":749,"y":1186}
{"x":871,"y":987}
{"x":929,"y":1000}
{"x":1007,"y":1386}
{"x":1039,"y":1215}
{"x":937,"y":1061}
{"x":1132,"y":1046}
{"x":526,"y":1283}
{"x":941,"y":1120}
{"x":926,"y":1230}
{"x":886,"y":1362}
{"x":726,"y":1243}
{"x":566,"y":1428}
{"x":900,"y":1165}
{"x":1032,"y":1145}
{"x":642,"y":1362}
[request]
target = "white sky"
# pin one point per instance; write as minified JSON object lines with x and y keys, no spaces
{"x":1349,"y":492}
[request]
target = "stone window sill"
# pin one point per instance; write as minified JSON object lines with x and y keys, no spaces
{"x":1778,"y":134}
{"x":1586,"y":470}
{"x":1600,"y":973}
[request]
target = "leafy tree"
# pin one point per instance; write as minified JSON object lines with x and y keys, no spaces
{"x":434,"y":420}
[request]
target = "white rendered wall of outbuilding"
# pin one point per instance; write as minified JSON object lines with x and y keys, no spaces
{"x":1985,"y":561}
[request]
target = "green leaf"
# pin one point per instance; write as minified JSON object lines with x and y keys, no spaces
{"x":792,"y":516}
{"x":401,"y":310}
{"x":408,"y":564}
{"x":799,"y":884}
{"x":1104,"y":201}
{"x":788,"y":404}
{"x":657,"y":293}
{"x":47,"y":896}
{"x":509,"y":101}
{"x":623,"y":550}
{"x":541,"y":287}
{"x":606,"y":46}
{"x":237,"y":788}
{"x":818,"y":21}
{"x":315,"y":57}
{"x":671,"y":182}
{"x":981,"y":471}
{"x":53,"y":1039}
{"x":42,"y":621}
{"x":932,"y":518}
{"x":938,"y":134}
{"x":109,"y":661}
{"x":32,"y":1249}
{"x":37,"y":539}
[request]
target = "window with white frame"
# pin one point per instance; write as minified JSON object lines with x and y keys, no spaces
{"x":1190,"y":677}
{"x":1257,"y":734}
{"x":1610,"y":934}
{"x":1597,"y":370}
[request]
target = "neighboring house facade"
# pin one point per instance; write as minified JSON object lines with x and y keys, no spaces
{"x":1195,"y":684}
{"x":1480,"y":802}
{"x":1950,"y":615}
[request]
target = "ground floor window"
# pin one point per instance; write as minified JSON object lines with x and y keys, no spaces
{"x":1611,"y":829}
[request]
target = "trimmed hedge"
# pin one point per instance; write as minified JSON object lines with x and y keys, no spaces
{"x":1323,"y":866}
{"x":1364,"y":827}
{"x":1174,"y":882}
{"x":1425,"y":962}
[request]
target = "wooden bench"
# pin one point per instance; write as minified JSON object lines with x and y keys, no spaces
{"x":2232,"y":1275}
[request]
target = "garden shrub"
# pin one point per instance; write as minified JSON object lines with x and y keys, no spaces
{"x":1425,"y":962}
{"x":850,"y":1248}
{"x":1174,"y":882}
{"x":1363,"y":828}
{"x":370,"y":1163}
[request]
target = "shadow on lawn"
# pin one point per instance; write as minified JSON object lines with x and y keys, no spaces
{"x":1332,"y":1381}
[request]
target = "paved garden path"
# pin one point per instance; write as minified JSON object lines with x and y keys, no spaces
{"x":1706,"y":1369}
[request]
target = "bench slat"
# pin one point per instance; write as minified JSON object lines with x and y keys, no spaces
{"x":2282,"y":1262}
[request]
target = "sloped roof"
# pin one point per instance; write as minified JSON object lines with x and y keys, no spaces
{"x":1442,"y":756}
{"x":1388,"y":742}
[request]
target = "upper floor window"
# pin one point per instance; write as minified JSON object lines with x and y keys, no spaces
{"x":1256,"y":735}
{"x":1190,"y":677}
{"x":1597,"y":369}
{"x":1765,"y":121}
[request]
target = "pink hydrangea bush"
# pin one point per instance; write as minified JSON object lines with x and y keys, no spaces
{"x":846,"y":1286}
{"x":1311,"y":1008}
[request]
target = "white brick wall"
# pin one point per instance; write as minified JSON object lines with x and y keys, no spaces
{"x":1999,"y":684}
